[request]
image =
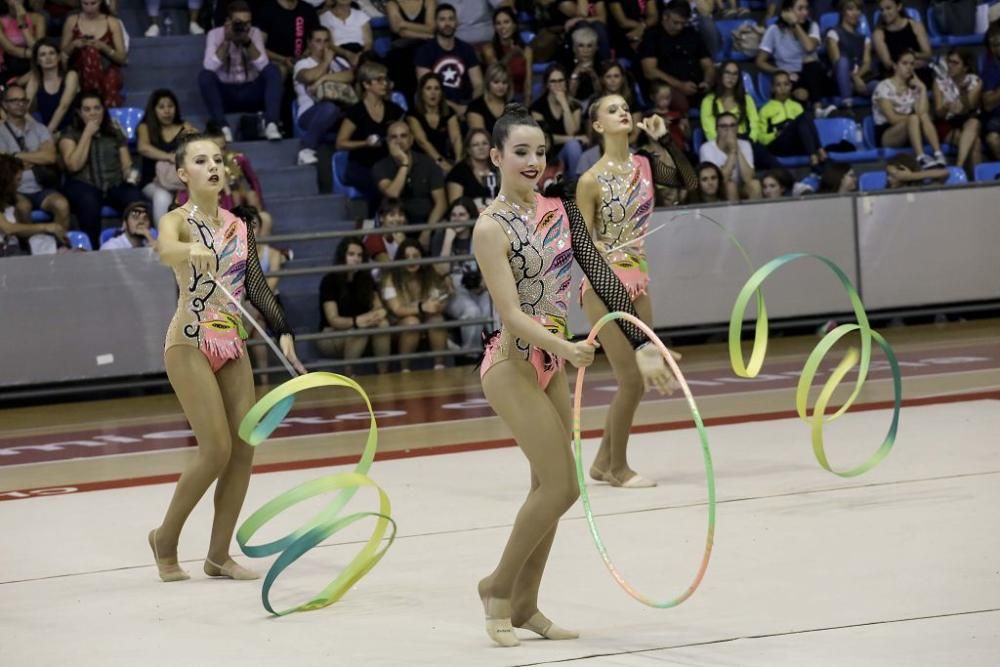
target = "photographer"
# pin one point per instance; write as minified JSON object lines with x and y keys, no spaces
{"x":238,"y":75}
{"x":469,"y":299}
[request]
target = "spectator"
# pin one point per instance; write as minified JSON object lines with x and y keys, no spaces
{"x":237,"y":74}
{"x":991,"y":91}
{"x":287,"y":24}
{"x":153,"y":11}
{"x":900,"y":110}
{"x":581,"y":63}
{"x":776,"y":184}
{"x":20,"y":30}
{"x":475,"y":20}
{"x":349,"y":300}
{"x":411,"y":22}
{"x":416,"y":295}
{"x":710,"y":188}
{"x":850,"y":52}
{"x":434,"y":125}
{"x":895,"y":34}
{"x":50,"y":88}
{"x":675,"y":53}
{"x":412,"y":177}
{"x":550,"y":17}
{"x":561,"y":115}
{"x":469,"y":298}
{"x":793,"y":43}
{"x":484,"y":111}
{"x":94,"y":42}
{"x":382,"y":247}
{"x":734,"y":156}
{"x":730,"y":96}
{"x":55,"y":12}
{"x":38,"y":236}
{"x":592,"y":14}
{"x":903,"y":169}
{"x":452,"y":59}
{"x":631,"y":21}
{"x":98,"y":165}
{"x":350,"y":29}
{"x":678,"y":126}
{"x":136,"y":231}
{"x":321,"y":80}
{"x":31,"y":142}
{"x":615,"y":80}
{"x":786,"y":128}
{"x":158,"y":135}
{"x":509,"y":50}
{"x":957,"y":100}
{"x":242,"y":187}
{"x":838,"y":178}
{"x":475,"y":177}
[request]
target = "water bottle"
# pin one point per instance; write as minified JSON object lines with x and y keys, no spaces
{"x":168,"y":24}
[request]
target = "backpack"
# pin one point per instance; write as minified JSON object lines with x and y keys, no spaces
{"x":747,"y":37}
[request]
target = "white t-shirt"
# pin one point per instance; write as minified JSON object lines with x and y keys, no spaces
{"x":348,"y":31}
{"x":302,"y":95}
{"x":120,"y":242}
{"x":710,"y":152}
{"x":784,"y":47}
{"x":903,"y":102}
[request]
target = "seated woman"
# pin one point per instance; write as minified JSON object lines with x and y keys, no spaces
{"x":434,"y":125}
{"x":20,"y":30}
{"x":158,"y":135}
{"x":896,"y":33}
{"x":38,"y":236}
{"x":411,"y":23}
{"x":850,"y":52}
{"x":98,"y":165}
{"x":348,"y":301}
{"x":581,"y":64}
{"x":957,"y":100}
{"x":50,"y":87}
{"x":94,"y":42}
{"x":786,"y":128}
{"x":560,"y":115}
{"x":509,"y":51}
{"x":476,"y":176}
{"x":469,"y":299}
{"x":901,"y":114}
{"x":838,"y":178}
{"x":710,"y":185}
{"x":776,"y":184}
{"x":391,"y":215}
{"x":483,"y":112}
{"x":136,"y":231}
{"x":413,"y":295}
{"x":628,"y":23}
{"x":349,"y":28}
{"x":730,"y":96}
{"x":903,"y":171}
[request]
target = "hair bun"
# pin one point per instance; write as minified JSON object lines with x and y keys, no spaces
{"x":515,"y":109}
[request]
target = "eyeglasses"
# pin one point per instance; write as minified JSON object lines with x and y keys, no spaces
{"x":557,"y":80}
{"x":138,"y":212}
{"x":16,"y":100}
{"x":726,"y":126}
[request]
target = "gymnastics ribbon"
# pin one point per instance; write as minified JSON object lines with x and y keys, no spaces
{"x":256,"y":427}
{"x":707,"y":455}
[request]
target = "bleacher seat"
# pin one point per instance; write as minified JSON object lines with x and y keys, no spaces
{"x":339,"y":169}
{"x":829,"y":20}
{"x":111,"y":231}
{"x":914,"y":13}
{"x":128,"y":118}
{"x":751,"y":89}
{"x":382,"y":46}
{"x":956,"y":176}
{"x":987,"y":171}
{"x":108,"y":212}
{"x":873,"y":181}
{"x":868,"y":132}
{"x":834,"y":130}
{"x":697,"y":139}
{"x":934,"y":34}
{"x":399,"y":99}
{"x":726,"y":28}
{"x":79,"y":240}
{"x":40,"y":216}
{"x":379,"y":23}
{"x":764,"y":86}
{"x":811,"y":181}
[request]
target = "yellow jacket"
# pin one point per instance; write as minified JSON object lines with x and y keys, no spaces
{"x":774,"y":115}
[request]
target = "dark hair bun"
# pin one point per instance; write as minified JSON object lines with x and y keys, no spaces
{"x":516,"y":109}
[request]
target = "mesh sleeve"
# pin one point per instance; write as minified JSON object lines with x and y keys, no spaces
{"x":602,"y":279}
{"x":259,"y":292}
{"x":680,"y":176}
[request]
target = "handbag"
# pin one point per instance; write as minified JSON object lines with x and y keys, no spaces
{"x":337,"y":92}
{"x":166,"y":176}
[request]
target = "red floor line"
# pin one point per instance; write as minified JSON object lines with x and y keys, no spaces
{"x":482,"y":445}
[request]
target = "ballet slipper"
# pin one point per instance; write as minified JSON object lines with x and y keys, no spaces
{"x":541,"y":625}
{"x":498,"y":625}
{"x":636,"y":481}
{"x":168,"y":571}
{"x":230,"y":569}
{"x":596,"y":473}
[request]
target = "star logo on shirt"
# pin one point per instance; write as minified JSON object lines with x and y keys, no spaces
{"x":451,"y":71}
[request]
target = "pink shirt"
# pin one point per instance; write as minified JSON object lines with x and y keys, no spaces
{"x":237,"y":68}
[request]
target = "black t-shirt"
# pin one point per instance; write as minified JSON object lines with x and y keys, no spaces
{"x":679,"y":56}
{"x":438,"y":136}
{"x":423,"y":177}
{"x":365,"y":126}
{"x":452,"y":66}
{"x":552,"y":124}
{"x":354,"y":296}
{"x":463,"y":175}
{"x":287,"y":30}
{"x":480,"y":107}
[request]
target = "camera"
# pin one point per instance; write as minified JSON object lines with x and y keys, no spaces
{"x":240,"y":27}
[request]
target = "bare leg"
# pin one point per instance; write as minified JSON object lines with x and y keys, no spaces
{"x":611,"y":463}
{"x":409,"y":341}
{"x":512,"y":390}
{"x":438,"y":339}
{"x":198,"y":391}
{"x":236,"y":382}
{"x":967,"y":140}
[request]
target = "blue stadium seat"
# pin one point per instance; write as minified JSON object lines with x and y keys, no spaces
{"x":764,"y":85}
{"x":726,"y":28}
{"x":400,"y":100}
{"x":956,"y":176}
{"x":339,"y":169}
{"x":811,"y":181}
{"x":987,"y":171}
{"x":128,"y":118}
{"x":873,"y":181}
{"x":751,"y":89}
{"x":697,"y":139}
{"x":835,"y":130}
{"x":379,"y":23}
{"x":297,"y":130}
{"x":106,"y":234}
{"x":382,"y":46}
{"x":829,"y":20}
{"x":40,"y":216}
{"x":868,"y":132}
{"x":527,"y":36}
{"x":913,"y":13}
{"x":934,"y":33}
{"x":792,"y":161}
{"x":108,"y":212}
{"x":79,"y":240}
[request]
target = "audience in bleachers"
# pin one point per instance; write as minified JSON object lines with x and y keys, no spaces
{"x":849,"y":50}
{"x":581,"y":64}
{"x":350,"y":30}
{"x":957,"y":101}
{"x":94,"y":42}
{"x":734,"y":156}
{"x":322,"y":83}
{"x":786,"y":128}
{"x":39,"y":238}
{"x":50,"y":87}
{"x":475,"y":176}
{"x":675,"y":53}
{"x":510,"y":51}
{"x":475,"y":19}
{"x":896,"y":33}
{"x":631,"y":21}
{"x":902,"y":113}
{"x":412,"y":24}
{"x":561,"y":116}
{"x":838,"y":178}
{"x":434,"y":125}
{"x":136,"y":230}
{"x":287,"y":24}
{"x":238,"y":75}
{"x":991,"y":90}
{"x":31,"y":142}
{"x":158,"y":136}
{"x":153,"y":12}
{"x":451,"y":58}
{"x":98,"y":165}
{"x":710,"y":185}
{"x":903,"y":170}
{"x":678,"y":126}
{"x":469,"y":299}
{"x":776,"y":184}
{"x":382,"y":247}
{"x":483,"y":112}
{"x":20,"y":30}
{"x":730,"y":95}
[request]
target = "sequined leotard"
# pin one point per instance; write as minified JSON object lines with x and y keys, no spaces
{"x":205,"y":317}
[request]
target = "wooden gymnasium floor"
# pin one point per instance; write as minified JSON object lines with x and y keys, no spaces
{"x":897,"y":567}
